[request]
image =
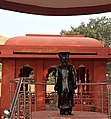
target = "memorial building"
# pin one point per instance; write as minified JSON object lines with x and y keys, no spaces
{"x":39,"y":52}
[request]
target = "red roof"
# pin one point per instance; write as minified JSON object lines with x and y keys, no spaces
{"x":54,"y":40}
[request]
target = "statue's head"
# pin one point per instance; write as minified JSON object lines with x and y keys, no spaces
{"x":64,"y":57}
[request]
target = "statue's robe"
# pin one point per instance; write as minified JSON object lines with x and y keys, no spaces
{"x":65,"y":85}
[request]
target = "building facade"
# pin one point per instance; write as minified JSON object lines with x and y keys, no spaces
{"x":88,"y":55}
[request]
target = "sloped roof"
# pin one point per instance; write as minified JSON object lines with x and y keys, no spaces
{"x":54,"y":40}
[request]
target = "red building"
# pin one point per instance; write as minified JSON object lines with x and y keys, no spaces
{"x":88,"y":55}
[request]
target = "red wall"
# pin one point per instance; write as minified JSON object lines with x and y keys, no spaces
{"x":8,"y":69}
{"x":11,"y":69}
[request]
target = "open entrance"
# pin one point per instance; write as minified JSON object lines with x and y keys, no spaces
{"x":83,"y":77}
{"x":51,"y":95}
{"x":26,"y":71}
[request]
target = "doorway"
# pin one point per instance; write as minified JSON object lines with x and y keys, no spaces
{"x":26,"y":71}
{"x":83,"y":77}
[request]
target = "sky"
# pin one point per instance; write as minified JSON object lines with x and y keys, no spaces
{"x":18,"y":24}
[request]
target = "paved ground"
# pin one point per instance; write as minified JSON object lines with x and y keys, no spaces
{"x":76,"y":115}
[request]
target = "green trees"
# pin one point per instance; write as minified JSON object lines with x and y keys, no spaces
{"x":99,"y":28}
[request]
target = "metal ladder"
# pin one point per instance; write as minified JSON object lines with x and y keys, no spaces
{"x":24,"y":103}
{"x":21,"y":103}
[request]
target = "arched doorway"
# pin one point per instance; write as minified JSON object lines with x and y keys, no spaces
{"x":26,"y":71}
{"x":51,"y":96}
{"x":83,"y":77}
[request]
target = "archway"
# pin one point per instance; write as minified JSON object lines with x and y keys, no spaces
{"x":51,"y":96}
{"x":26,"y":71}
{"x":83,"y":77}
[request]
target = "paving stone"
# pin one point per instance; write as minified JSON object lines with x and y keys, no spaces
{"x":77,"y":115}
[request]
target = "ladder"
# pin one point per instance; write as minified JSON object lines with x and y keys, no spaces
{"x":21,"y":103}
{"x":23,"y":110}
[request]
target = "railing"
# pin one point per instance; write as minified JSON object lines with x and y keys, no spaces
{"x":90,"y":100}
{"x":20,"y":100}
{"x":14,"y":101}
{"x":9,"y":113}
{"x":97,"y":97}
{"x":93,"y":99}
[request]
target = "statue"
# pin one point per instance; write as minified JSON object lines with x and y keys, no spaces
{"x":65,"y":84}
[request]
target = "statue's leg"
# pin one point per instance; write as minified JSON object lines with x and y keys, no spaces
{"x":65,"y":104}
{"x":62,"y":111}
{"x":66,"y":111}
{"x":58,"y":101}
{"x":71,"y":103}
{"x":61,"y":101}
{"x":70,"y":111}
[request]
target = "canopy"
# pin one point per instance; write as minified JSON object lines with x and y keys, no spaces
{"x":57,"y":7}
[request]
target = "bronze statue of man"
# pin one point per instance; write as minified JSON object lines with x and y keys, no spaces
{"x":65,"y":84}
